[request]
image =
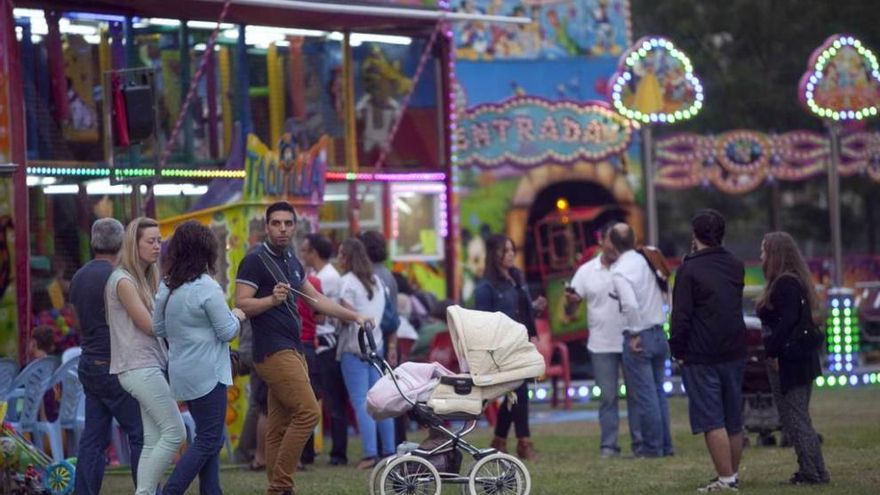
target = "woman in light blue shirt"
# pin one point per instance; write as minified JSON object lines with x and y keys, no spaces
{"x":191,"y":312}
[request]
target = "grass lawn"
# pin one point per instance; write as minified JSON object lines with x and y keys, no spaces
{"x":849,"y":419}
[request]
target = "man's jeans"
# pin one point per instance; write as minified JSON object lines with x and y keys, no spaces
{"x":105,"y":400}
{"x":202,"y":458}
{"x":606,"y":370}
{"x":334,"y":393}
{"x":645,"y":374}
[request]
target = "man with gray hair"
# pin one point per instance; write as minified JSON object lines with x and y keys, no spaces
{"x":105,"y":397}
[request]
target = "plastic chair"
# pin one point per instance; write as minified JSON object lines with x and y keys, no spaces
{"x":8,"y":370}
{"x":71,"y":413}
{"x":120,"y":444}
{"x":71,"y":395}
{"x":561,"y":369}
{"x":70,"y":353}
{"x":26,"y":398}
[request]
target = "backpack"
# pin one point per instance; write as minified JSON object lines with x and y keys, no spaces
{"x":246,"y":348}
{"x":657,"y":262}
{"x":390,"y":317}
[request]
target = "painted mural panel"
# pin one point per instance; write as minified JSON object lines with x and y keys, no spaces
{"x":559,"y":29}
{"x":542,"y":157}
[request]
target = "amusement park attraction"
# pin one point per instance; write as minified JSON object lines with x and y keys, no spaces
{"x":437,"y":123}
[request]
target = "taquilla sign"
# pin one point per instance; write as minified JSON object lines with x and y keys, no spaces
{"x":529,"y":131}
{"x":290,"y":172}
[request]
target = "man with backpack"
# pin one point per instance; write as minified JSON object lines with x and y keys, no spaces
{"x":709,"y":338}
{"x":268,"y":283}
{"x":645,"y":348}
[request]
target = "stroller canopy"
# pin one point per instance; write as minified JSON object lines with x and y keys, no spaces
{"x":492,"y":347}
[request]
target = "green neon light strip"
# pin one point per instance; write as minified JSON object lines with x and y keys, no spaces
{"x":135,"y":172}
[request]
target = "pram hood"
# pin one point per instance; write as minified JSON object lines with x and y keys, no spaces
{"x":491,"y":347}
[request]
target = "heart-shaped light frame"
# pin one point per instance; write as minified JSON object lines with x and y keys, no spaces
{"x":815,"y":80}
{"x":624,"y":75}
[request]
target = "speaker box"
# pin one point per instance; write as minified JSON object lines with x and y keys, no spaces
{"x":140,"y":112}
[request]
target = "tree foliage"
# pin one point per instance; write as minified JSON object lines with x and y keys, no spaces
{"x":750,"y":55}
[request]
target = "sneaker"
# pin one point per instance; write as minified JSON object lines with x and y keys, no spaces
{"x":716,"y":485}
{"x":800,"y":479}
{"x":607,"y":453}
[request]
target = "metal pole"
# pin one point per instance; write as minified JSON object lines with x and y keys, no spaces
{"x":834,"y":203}
{"x":650,"y":188}
{"x":351,"y":158}
{"x":184,"y":89}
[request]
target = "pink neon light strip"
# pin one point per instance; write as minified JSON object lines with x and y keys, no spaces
{"x":385,"y":177}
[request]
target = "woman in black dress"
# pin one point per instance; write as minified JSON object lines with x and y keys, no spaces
{"x":503,"y":288}
{"x":786,"y":306}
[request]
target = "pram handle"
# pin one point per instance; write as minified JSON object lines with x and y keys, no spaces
{"x":367,"y":330}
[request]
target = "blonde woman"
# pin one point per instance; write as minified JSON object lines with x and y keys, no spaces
{"x":137,"y":356}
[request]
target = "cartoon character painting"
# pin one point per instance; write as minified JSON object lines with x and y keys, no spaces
{"x":648,"y":97}
{"x":604,"y":31}
{"x":559,"y":28}
{"x":378,"y":108}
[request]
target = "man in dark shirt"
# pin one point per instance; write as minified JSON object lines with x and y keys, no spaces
{"x":105,"y":397}
{"x":709,"y":338}
{"x":269,"y":281}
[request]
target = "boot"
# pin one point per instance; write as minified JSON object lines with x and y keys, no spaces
{"x":525,"y":450}
{"x":499,"y":444}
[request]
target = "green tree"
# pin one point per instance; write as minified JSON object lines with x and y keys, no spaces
{"x":750,"y":55}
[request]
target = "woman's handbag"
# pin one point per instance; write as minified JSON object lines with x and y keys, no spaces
{"x":806,"y":338}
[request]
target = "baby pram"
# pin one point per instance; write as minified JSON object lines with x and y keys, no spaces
{"x":495,"y":357}
{"x":759,"y":409}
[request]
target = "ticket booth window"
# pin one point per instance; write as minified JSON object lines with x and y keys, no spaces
{"x":418,"y":222}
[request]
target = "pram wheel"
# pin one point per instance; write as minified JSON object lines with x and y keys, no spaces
{"x":376,"y":475}
{"x":409,"y":475}
{"x":499,"y":474}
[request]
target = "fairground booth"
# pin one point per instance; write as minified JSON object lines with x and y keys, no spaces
{"x":211,"y":110}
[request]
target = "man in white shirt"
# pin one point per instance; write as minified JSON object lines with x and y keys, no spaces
{"x":315,"y":252}
{"x":645,"y":348}
{"x":593,"y":282}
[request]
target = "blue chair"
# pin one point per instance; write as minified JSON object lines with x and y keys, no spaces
{"x":26,"y":397}
{"x":8,"y":370}
{"x":71,"y":395}
{"x":71,"y":413}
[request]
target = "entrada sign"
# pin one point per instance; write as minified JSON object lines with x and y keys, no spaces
{"x":529,"y":131}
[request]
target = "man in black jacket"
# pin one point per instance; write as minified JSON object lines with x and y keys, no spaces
{"x":709,"y":340}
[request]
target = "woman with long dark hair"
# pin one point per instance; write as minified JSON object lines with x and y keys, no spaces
{"x":787,"y":304}
{"x":191,"y":312}
{"x":362,"y":292}
{"x":503,"y":288}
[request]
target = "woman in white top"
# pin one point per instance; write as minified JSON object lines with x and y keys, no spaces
{"x":362,"y":292}
{"x":137,"y":356}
